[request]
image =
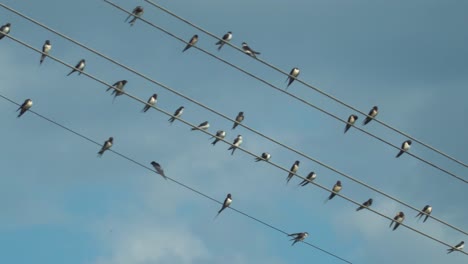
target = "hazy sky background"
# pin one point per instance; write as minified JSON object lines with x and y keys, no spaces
{"x":61,"y":204}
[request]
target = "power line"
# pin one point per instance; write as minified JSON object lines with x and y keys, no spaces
{"x":173,"y":180}
{"x":285,"y":92}
{"x":306,"y":84}
{"x":220,"y":114}
{"x":240,"y":148}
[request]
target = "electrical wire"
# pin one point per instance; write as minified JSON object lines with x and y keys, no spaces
{"x":240,"y":148}
{"x":220,"y":114}
{"x":308,"y":85}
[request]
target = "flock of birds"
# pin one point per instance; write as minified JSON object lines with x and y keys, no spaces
{"x":220,"y":134}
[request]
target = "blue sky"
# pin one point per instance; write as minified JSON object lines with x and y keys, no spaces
{"x":62,"y":204}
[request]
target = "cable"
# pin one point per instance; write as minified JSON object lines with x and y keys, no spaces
{"x":173,"y":180}
{"x":308,"y":85}
{"x":208,"y":133}
{"x":192,"y":100}
{"x":285,"y":92}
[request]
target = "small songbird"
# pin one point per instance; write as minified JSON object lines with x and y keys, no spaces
{"x":292,"y":171}
{"x":351,"y":120}
{"x":247,"y":50}
{"x":204,"y":126}
{"x":336,"y":189}
{"x":398,"y":219}
{"x":192,"y":42}
{"x":298,"y":237}
{"x":176,"y":114}
{"x":136,"y":13}
{"x":45,"y":50}
{"x":458,"y":247}
{"x":427,"y":210}
{"x":226,"y":204}
{"x":292,"y":76}
{"x":220,"y":134}
{"x":239,"y":119}
{"x":310,"y":177}
{"x":4,"y":30}
{"x":24,"y":107}
{"x":265,"y":157}
{"x":79,"y":67}
{"x":365,"y":204}
{"x":405,"y":146}
{"x":151,"y":102}
{"x":107,"y":145}
{"x":119,"y":88}
{"x":372,"y":114}
{"x":237,"y":142}
{"x":158,"y":169}
{"x":226,"y":38}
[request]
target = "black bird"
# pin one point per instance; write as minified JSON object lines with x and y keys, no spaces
{"x":427,"y":210}
{"x":336,"y":189}
{"x":351,"y":120}
{"x":220,"y":134}
{"x":398,"y":219}
{"x":4,"y":30}
{"x":158,"y":169}
{"x":205,"y":125}
{"x":107,"y":145}
{"x":45,"y":50}
{"x":79,"y":67}
{"x":292,"y":76}
{"x":192,"y":42}
{"x":119,"y":88}
{"x":237,"y":142}
{"x":265,"y":156}
{"x":458,"y":247}
{"x":176,"y":114}
{"x":24,"y":107}
{"x":405,"y":146}
{"x":226,"y":204}
{"x":372,"y":114}
{"x":239,"y":119}
{"x":365,"y":204}
{"x":310,"y":177}
{"x":292,"y":171}
{"x":247,"y":50}
{"x":226,"y":38}
{"x":298,"y":237}
{"x":137,"y":12}
{"x":151,"y":102}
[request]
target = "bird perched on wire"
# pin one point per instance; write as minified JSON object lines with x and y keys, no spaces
{"x":226,"y":204}
{"x":292,"y":171}
{"x":265,"y":157}
{"x":239,"y":119}
{"x":136,"y":13}
{"x":191,"y":43}
{"x":107,"y":145}
{"x":45,"y":50}
{"x":365,"y":204}
{"x":292,"y":76}
{"x":151,"y":102}
{"x":220,"y":134}
{"x":226,"y":38}
{"x":247,"y":50}
{"x":457,"y":247}
{"x":298,"y":237}
{"x":24,"y":107}
{"x":336,"y":189}
{"x":427,"y":210}
{"x":351,"y":120}
{"x":4,"y":30}
{"x":79,"y":67}
{"x":398,"y":219}
{"x":405,"y":146}
{"x":176,"y":114}
{"x":159,"y":169}
{"x":372,"y":114}
{"x":310,"y":177}
{"x":119,"y":86}
{"x":237,"y":142}
{"x":203,"y":126}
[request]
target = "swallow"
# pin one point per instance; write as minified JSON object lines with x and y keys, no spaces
{"x":292,"y":171}
{"x":336,"y":189}
{"x":237,"y":142}
{"x":107,"y":145}
{"x":365,"y":204}
{"x":116,"y":87}
{"x":226,"y":38}
{"x":239,"y":119}
{"x":310,"y":177}
{"x":292,"y":76}
{"x":351,"y":120}
{"x":79,"y":67}
{"x":158,"y":169}
{"x":458,"y":247}
{"x":247,"y":50}
{"x":398,"y":219}
{"x":4,"y":30}
{"x":298,"y":237}
{"x":24,"y":107}
{"x":226,"y":204}
{"x":136,"y":13}
{"x":151,"y":102}
{"x":176,"y":114}
{"x":205,"y":125}
{"x":45,"y":50}
{"x":404,"y":148}
{"x":220,"y":134}
{"x":427,"y":210}
{"x":372,"y":114}
{"x":265,"y":157}
{"x":192,"y":42}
